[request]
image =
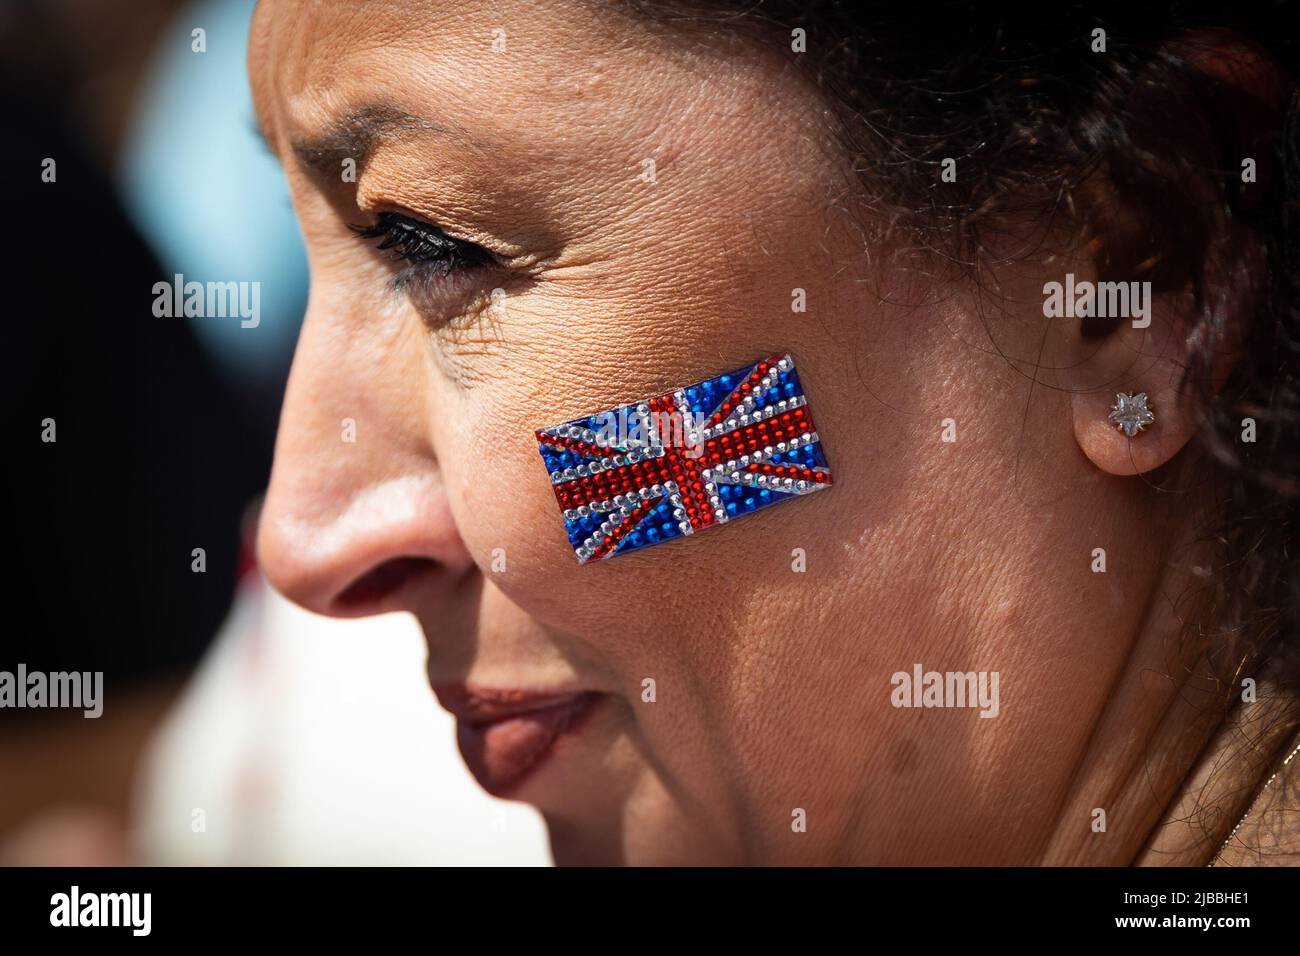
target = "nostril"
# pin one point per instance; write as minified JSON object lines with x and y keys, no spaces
{"x":377,"y":584}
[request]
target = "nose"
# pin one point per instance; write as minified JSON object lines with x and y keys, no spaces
{"x":357,"y":519}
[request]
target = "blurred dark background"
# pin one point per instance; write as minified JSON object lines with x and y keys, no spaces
{"x":163,"y":425}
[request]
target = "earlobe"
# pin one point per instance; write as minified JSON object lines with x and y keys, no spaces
{"x":1152,"y":358}
{"x":1106,"y":444}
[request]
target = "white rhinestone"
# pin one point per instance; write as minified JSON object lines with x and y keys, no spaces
{"x":1131,"y":413}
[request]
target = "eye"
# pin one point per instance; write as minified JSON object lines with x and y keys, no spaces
{"x":423,"y":245}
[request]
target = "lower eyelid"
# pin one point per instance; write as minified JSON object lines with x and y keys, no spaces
{"x":441,"y":298}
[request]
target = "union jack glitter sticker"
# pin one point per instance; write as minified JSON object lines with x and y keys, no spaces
{"x":673,"y":465}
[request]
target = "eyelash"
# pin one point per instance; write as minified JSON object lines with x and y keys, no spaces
{"x":423,"y":246}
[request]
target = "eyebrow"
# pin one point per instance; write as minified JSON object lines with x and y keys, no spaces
{"x":356,"y":135}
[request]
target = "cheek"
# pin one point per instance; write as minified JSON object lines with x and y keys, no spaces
{"x":501,"y":497}
{"x":557,"y":358}
{"x":609,"y":328}
{"x":511,"y":521}
{"x":499,"y":493}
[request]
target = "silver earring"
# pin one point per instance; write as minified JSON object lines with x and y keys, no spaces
{"x":1130,"y":413}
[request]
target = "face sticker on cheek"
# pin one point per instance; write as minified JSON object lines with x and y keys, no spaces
{"x":674,"y":465}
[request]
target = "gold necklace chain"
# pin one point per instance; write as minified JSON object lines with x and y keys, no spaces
{"x":1295,"y":750}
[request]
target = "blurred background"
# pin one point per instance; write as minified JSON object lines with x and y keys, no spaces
{"x":236,"y":728}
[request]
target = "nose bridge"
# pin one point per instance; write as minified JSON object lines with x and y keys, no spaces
{"x":356,"y":492}
{"x":342,"y":418}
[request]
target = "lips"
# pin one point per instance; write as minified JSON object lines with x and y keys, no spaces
{"x":506,"y":735}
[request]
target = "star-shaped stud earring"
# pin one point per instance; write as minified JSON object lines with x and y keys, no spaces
{"x":1130,"y":413}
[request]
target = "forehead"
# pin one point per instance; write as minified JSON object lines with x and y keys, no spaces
{"x":555,"y":72}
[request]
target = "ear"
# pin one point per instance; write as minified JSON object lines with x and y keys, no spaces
{"x":1174,"y":228}
{"x":1152,"y":353}
{"x":1134,"y":359}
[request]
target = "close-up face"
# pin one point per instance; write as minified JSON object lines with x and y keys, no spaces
{"x":520,"y":216}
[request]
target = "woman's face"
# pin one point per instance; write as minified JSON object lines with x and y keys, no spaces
{"x":655,"y":202}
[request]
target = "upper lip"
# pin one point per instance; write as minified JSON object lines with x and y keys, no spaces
{"x":484,"y":705}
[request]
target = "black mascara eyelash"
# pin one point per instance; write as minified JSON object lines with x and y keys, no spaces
{"x":423,"y":244}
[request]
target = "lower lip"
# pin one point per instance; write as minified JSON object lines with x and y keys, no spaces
{"x":503,"y":753}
